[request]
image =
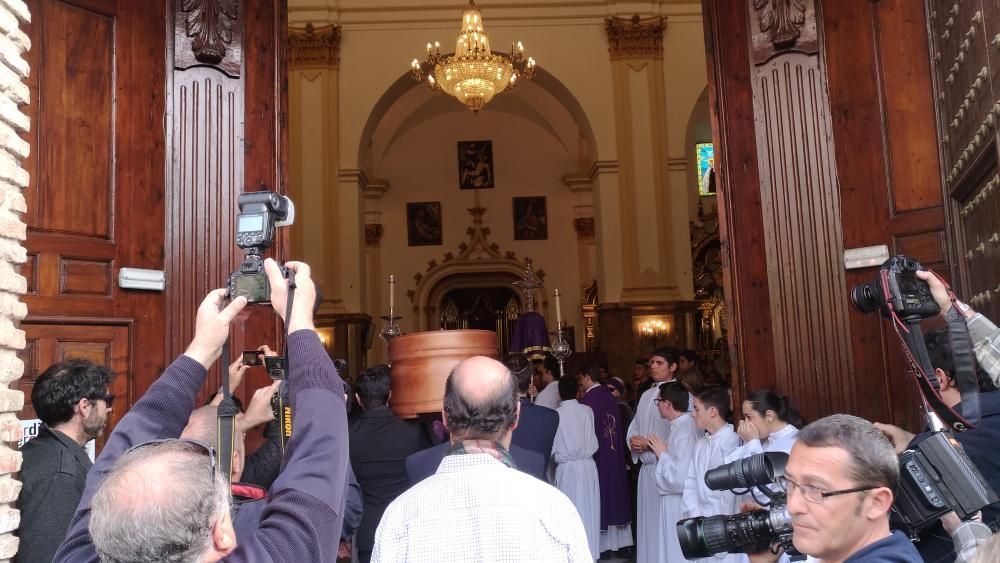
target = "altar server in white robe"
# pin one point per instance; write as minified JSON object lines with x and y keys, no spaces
{"x":674,"y":459}
{"x":770,"y":423}
{"x":648,"y":422}
{"x":711,"y":409}
{"x":573,"y":452}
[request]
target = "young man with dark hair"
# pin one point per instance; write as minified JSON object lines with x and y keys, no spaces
{"x":979,"y":443}
{"x":537,"y":426}
{"x":648,"y":422}
{"x":573,"y":454}
{"x":380,"y":442}
{"x":73,"y":401}
{"x":549,"y":395}
{"x":710,"y":413}
{"x":673,"y":461}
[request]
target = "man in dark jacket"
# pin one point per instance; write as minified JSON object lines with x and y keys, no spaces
{"x":379,"y":443}
{"x":536,"y":427}
{"x":134,"y":493}
{"x":73,"y":401}
{"x":425,"y":463}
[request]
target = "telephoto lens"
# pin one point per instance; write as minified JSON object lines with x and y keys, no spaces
{"x":747,"y":532}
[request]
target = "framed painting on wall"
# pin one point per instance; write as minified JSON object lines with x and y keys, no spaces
{"x":475,"y":165}
{"x":530,"y":219}
{"x":423,"y":223}
{"x":705,"y":158}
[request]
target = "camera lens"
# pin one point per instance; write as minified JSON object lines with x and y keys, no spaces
{"x":866,"y":297}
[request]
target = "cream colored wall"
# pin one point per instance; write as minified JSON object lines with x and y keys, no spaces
{"x":567,"y":38}
{"x":422,"y":166}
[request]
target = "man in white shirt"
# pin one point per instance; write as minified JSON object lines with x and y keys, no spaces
{"x":477,"y":507}
{"x":648,"y":422}
{"x":549,"y":395}
{"x":711,"y":409}
{"x":674,"y":459}
{"x":573,"y":453}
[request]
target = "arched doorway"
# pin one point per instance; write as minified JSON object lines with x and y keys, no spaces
{"x":481,"y":308}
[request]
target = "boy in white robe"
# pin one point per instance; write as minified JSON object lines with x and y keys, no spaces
{"x":674,"y":459}
{"x":648,"y":422}
{"x":711,"y":409}
{"x":573,"y":453}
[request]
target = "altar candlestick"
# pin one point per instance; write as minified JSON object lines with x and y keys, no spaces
{"x":392,"y":292}
{"x":558,"y":310}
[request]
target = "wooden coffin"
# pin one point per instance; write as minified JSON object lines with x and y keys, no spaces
{"x":422,"y":361}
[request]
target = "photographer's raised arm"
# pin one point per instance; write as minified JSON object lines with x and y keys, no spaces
{"x":983,"y":333}
{"x":162,"y":412}
{"x":306,"y":508}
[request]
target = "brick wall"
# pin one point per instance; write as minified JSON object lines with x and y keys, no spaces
{"x":13,"y":179}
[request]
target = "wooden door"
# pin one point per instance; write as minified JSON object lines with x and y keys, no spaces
{"x":95,"y":203}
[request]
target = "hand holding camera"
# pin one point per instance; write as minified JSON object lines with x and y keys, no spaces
{"x":211,"y":328}
{"x":301,"y":315}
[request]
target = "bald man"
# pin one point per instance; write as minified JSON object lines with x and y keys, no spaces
{"x":478,"y":507}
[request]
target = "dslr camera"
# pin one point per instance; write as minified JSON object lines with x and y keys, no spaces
{"x":745,"y":532}
{"x":260,"y":213}
{"x":936,"y":477}
{"x":897,"y":289}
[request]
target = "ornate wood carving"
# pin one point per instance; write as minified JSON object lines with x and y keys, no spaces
{"x":373,"y":233}
{"x":584,"y":227}
{"x":314,"y":47}
{"x":635,"y":37}
{"x":782,"y":20}
{"x":782,"y":25}
{"x":209,"y":24}
{"x":209,"y":32}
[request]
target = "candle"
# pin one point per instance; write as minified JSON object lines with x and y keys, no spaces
{"x":392,"y":293}
{"x":558,"y":311}
{"x":428,"y":48}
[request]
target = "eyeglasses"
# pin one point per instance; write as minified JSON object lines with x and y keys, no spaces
{"x":184,"y":444}
{"x":814,"y":494}
{"x":108,"y":398}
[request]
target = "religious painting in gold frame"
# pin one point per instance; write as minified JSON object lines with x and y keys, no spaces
{"x":475,"y":165}
{"x":423,"y":223}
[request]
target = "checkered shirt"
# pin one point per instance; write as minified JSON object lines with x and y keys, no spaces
{"x":477,"y":509}
{"x":985,"y":338}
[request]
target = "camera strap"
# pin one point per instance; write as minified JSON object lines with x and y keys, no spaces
{"x":226,"y":420}
{"x":228,"y":410}
{"x":284,"y":408}
{"x":910,"y":334}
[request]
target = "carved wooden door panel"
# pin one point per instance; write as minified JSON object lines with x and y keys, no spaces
{"x":95,"y":202}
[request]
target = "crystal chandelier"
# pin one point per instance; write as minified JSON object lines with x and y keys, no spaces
{"x":474,"y":74}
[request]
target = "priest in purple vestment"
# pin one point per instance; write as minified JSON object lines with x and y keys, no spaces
{"x":616,"y":512}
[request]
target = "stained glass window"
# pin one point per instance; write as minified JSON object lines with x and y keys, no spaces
{"x":705,"y":158}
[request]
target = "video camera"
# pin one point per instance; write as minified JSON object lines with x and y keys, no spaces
{"x":746,"y":532}
{"x":260,"y":213}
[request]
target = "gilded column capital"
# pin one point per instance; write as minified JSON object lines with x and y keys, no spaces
{"x":635,"y":37}
{"x":314,"y":46}
{"x":584,"y":227}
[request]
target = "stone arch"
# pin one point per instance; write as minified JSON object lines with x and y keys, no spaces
{"x":547,"y":82}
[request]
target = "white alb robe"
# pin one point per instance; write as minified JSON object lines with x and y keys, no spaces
{"x":648,"y":421}
{"x":710,"y":452}
{"x":549,"y":396}
{"x":576,"y":473}
{"x":671,"y":472}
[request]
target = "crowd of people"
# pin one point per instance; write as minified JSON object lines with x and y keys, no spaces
{"x":520,"y":464}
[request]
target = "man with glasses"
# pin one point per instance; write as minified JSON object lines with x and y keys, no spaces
{"x":166,"y":501}
{"x":72,"y":400}
{"x":840,"y":479}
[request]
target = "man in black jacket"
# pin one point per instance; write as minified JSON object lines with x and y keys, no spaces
{"x":73,"y":401}
{"x":536,"y":426}
{"x":379,"y":444}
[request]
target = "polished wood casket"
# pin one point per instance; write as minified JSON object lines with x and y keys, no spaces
{"x":422,"y":361}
